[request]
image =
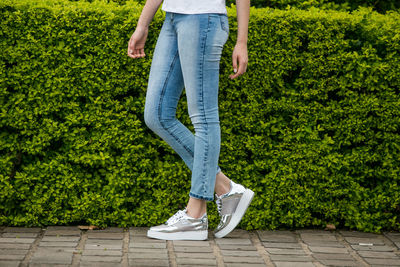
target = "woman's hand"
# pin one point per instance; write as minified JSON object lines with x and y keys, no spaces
{"x":239,"y":55}
{"x":137,"y":42}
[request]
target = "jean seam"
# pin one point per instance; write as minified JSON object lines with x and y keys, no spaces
{"x":202,"y":102}
{"x":200,"y":197}
{"x":161,"y":101}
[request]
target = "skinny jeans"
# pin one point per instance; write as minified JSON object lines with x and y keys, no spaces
{"x":187,"y":55}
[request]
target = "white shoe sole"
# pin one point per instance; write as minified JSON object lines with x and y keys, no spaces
{"x":238,"y":215}
{"x":186,"y":235}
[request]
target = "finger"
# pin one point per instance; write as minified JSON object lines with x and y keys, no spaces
{"x":234,"y":62}
{"x":131,"y":47}
{"x":241,"y":68}
{"x":131,"y":53}
{"x":142,"y":52}
{"x":234,"y":66}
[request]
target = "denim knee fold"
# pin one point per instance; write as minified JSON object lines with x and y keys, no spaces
{"x":187,"y":55}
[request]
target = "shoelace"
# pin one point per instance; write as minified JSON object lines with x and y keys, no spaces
{"x":174,"y":218}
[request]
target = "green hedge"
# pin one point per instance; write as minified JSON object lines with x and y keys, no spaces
{"x":380,"y":5}
{"x":312,"y":126}
{"x":344,"y":5}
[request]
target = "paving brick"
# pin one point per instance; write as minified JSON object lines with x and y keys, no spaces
{"x":191,"y":243}
{"x":101,"y":252}
{"x":16,"y":240}
{"x":294,"y":264}
{"x":281,"y":245}
{"x":327,"y":249}
{"x":294,"y":258}
{"x":192,"y":261}
{"x":339,"y":263}
{"x":283,"y":251}
{"x":347,"y":233}
{"x":13,"y":251}
{"x":105,"y":235}
{"x":58,"y":244}
{"x":9,"y":263}
{"x":103,"y":246}
{"x":275,"y":232}
{"x":47,"y":255}
{"x":104,"y":241}
{"x":142,"y":231}
{"x":193,"y":249}
{"x":76,"y":232}
{"x":380,"y":254}
{"x":142,"y":262}
{"x":318,"y":237}
{"x":230,"y":264}
{"x":195,"y":255}
{"x":100,"y":245}
{"x":22,"y":229}
{"x":163,"y":255}
{"x":324,"y":244}
{"x":270,"y":236}
{"x":147,"y":245}
{"x":39,"y":264}
{"x":238,"y":233}
{"x":147,"y":250}
{"x":99,"y":264}
{"x":236,"y":247}
{"x":145,"y":239}
{"x":108,"y":230}
{"x":50,"y":250}
{"x":60,"y":239}
{"x":101,"y":258}
{"x":383,"y":261}
{"x":12,"y":257}
{"x":372,"y":248}
{"x":17,"y":234}
{"x":314,"y":231}
{"x":332,"y":256}
{"x":233,"y":241}
{"x":357,"y":240}
{"x":240,"y":253}
{"x":243,"y":259}
{"x":14,"y":246}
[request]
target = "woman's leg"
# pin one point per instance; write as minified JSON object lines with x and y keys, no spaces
{"x":163,"y":93}
{"x":200,"y":43}
{"x":164,"y":89}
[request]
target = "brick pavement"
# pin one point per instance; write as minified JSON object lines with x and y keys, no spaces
{"x":61,"y":246}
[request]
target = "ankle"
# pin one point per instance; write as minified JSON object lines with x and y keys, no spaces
{"x":195,"y":214}
{"x":223,"y":189}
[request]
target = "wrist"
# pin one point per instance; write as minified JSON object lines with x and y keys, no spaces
{"x":241,"y":43}
{"x":142,"y":27}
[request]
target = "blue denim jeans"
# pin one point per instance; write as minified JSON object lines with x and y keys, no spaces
{"x":187,"y":55}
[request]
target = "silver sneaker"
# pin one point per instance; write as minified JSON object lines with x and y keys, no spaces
{"x":181,"y":226}
{"x":231,"y":208}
